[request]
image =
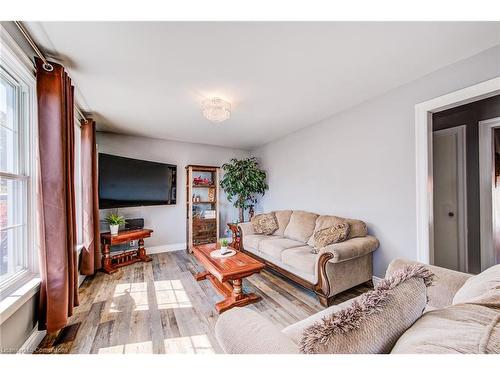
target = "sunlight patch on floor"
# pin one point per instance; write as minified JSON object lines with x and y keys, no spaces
{"x":171,"y":294}
{"x":138,"y":292}
{"x":199,"y":344}
{"x":145,"y":347}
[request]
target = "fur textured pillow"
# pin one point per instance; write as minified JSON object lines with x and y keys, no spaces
{"x":334,"y":234}
{"x":265,"y":223}
{"x":373,"y":322}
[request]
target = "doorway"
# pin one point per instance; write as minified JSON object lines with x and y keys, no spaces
{"x":450,"y":202}
{"x":489,"y":166}
{"x":463,"y":186}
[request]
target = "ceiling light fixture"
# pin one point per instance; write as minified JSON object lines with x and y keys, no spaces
{"x":216,"y":109}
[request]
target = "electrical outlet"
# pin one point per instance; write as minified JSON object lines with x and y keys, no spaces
{"x":132,"y":243}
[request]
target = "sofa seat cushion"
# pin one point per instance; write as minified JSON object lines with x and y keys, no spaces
{"x":273,"y":247}
{"x":252,"y":241}
{"x":301,"y":226}
{"x":300,"y":258}
{"x":283,"y":218}
{"x":465,"y":328}
{"x":478,"y":285}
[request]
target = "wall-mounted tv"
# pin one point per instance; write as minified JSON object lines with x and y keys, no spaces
{"x":125,"y":182}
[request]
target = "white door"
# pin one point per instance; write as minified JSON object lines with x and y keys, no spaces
{"x":450,"y":229}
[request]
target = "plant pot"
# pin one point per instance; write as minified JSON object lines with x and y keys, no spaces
{"x":114,"y":229}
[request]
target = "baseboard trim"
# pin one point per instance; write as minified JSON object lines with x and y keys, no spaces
{"x":166,"y":248}
{"x":32,"y":342}
{"x":172,"y":247}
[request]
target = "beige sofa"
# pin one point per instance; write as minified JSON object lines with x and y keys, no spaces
{"x":454,"y":321}
{"x":335,"y":268}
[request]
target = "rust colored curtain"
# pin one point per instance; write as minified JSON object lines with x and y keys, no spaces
{"x":91,"y":254}
{"x":59,"y":288}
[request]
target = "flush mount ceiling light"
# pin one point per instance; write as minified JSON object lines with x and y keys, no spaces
{"x":216,"y":109}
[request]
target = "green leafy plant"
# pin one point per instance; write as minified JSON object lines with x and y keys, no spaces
{"x":224,"y":242}
{"x":243,"y":180}
{"x":115,"y":219}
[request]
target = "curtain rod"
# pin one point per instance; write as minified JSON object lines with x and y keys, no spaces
{"x":46,"y":65}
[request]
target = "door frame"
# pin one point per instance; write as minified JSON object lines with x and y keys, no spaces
{"x":463,"y":253}
{"x":486,"y":178}
{"x":423,"y":156}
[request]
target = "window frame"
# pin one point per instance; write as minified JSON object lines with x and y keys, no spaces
{"x":78,"y":180}
{"x":16,"y":65}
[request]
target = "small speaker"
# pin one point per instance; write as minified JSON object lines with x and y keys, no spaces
{"x":134,"y":223}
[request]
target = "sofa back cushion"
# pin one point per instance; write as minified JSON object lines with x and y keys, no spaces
{"x":301,"y":226}
{"x":283,"y":217}
{"x":478,"y":285}
{"x":357,"y":228}
{"x":465,"y":328}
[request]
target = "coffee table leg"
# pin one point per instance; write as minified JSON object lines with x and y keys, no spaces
{"x":237,"y":291}
{"x":232,"y":292}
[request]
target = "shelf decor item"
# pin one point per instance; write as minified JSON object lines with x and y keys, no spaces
{"x":211,"y":194}
{"x":243,"y":180}
{"x":202,"y":205}
{"x":114,"y":221}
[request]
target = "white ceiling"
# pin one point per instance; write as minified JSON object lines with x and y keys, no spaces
{"x":149,"y":78}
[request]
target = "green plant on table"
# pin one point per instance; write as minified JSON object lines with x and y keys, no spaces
{"x":224,"y":243}
{"x":115,"y":219}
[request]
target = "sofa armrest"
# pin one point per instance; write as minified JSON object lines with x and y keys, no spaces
{"x":444,"y":286}
{"x":244,"y":331}
{"x":246,"y":228}
{"x":352,"y":248}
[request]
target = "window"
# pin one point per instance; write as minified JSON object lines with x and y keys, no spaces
{"x":17,"y":259}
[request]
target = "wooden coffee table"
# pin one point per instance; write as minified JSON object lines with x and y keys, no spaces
{"x":226,"y":274}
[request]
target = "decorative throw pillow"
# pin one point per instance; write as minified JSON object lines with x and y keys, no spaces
{"x":334,"y":234}
{"x":373,"y":322}
{"x":264,"y":224}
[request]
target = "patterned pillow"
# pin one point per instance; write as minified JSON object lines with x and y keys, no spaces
{"x":373,"y":322}
{"x":334,"y":234}
{"x":265,"y":223}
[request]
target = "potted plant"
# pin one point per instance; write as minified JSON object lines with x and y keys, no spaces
{"x":114,"y":221}
{"x":223,"y":246}
{"x":243,"y":180}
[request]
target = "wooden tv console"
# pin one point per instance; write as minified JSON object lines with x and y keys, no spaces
{"x":111,"y":263}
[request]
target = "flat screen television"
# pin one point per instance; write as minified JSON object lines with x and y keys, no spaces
{"x":125,"y":182}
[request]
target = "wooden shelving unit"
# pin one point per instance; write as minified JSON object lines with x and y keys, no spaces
{"x":199,"y":228}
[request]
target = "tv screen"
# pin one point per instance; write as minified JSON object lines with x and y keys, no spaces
{"x":125,"y":182}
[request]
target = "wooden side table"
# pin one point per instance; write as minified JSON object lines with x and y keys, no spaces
{"x":236,"y":238}
{"x":111,"y":263}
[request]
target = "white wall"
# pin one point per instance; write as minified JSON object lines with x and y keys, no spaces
{"x":169,"y":222}
{"x":361,"y":163}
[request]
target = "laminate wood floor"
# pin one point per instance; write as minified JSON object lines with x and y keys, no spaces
{"x":158,"y":307}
